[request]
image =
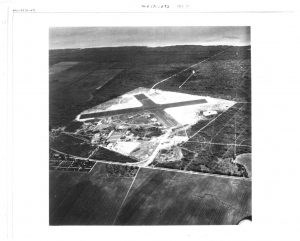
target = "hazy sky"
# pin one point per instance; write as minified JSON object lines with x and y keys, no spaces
{"x":88,"y":37}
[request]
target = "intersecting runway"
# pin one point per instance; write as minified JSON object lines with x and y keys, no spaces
{"x":148,"y":105}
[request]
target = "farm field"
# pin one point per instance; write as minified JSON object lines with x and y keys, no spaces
{"x":86,"y":198}
{"x":157,"y":197}
{"x":173,"y":198}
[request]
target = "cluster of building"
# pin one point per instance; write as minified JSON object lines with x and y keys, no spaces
{"x":61,"y":162}
{"x":125,"y":139}
{"x":169,"y":154}
{"x":122,"y":134}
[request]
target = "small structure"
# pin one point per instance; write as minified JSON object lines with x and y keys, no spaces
{"x":114,"y":137}
{"x":121,"y":127}
{"x":209,"y":113}
{"x":96,"y":138}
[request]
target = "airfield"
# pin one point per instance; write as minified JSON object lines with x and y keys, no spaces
{"x":157,"y":149}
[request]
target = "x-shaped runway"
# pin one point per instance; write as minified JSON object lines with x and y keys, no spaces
{"x":148,"y":105}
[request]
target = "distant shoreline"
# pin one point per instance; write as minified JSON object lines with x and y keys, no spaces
{"x":150,"y":47}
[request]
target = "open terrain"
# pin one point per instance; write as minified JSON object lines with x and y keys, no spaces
{"x":146,"y":197}
{"x":124,"y":154}
{"x":86,"y":198}
{"x":225,"y":76}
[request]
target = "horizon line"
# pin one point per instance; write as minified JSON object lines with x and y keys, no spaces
{"x":158,"y":46}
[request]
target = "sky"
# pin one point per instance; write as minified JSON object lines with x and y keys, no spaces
{"x":90,"y":37}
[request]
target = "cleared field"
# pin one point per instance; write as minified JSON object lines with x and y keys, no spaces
{"x":157,"y":197}
{"x":86,"y":198}
{"x":71,"y":145}
{"x":171,"y":198}
{"x":111,"y":156}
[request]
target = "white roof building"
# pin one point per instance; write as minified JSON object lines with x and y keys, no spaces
{"x":210,"y":112}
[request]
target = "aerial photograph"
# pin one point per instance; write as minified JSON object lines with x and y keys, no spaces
{"x":150,"y":125}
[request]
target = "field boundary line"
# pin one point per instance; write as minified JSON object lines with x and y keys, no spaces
{"x":186,"y":79}
{"x":198,"y":173}
{"x":191,"y":66}
{"x":219,"y":143}
{"x":224,"y":125}
{"x":120,"y":208}
{"x":213,"y":121}
{"x":158,"y":168}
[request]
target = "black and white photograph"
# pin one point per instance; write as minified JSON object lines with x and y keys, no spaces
{"x":150,"y":125}
{"x":149,"y":120}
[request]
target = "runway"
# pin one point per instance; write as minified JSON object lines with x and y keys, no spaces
{"x":148,"y":105}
